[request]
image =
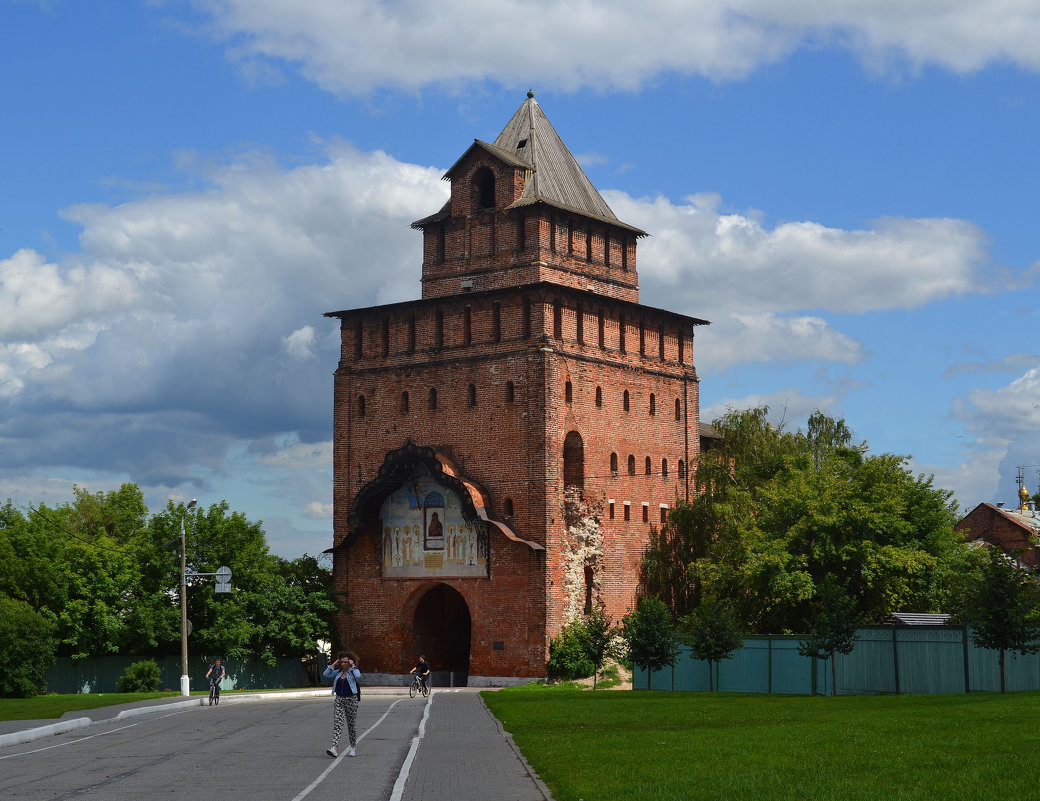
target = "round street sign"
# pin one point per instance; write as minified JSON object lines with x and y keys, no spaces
{"x":223,"y":574}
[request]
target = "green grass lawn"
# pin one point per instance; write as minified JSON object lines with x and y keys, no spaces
{"x":54,"y":705}
{"x":603,"y":746}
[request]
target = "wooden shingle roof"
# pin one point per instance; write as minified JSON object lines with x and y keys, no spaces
{"x":557,"y":178}
{"x":530,"y":142}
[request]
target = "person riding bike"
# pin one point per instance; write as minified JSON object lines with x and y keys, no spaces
{"x":215,"y":674}
{"x":422,"y":670}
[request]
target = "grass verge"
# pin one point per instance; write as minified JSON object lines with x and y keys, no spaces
{"x":593,"y":746}
{"x":54,"y":705}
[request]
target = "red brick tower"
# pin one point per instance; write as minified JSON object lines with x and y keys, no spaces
{"x":528,"y":373}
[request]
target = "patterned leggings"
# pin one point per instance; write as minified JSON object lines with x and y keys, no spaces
{"x":345,"y":708}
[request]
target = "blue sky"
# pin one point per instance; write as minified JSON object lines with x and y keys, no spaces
{"x":847,"y":190}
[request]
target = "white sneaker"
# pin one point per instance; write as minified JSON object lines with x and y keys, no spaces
{"x":332,"y":752}
{"x":351,"y":752}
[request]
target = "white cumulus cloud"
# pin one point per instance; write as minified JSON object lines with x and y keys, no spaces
{"x":358,"y":46}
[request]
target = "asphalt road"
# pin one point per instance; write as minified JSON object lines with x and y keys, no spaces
{"x":273,"y":750}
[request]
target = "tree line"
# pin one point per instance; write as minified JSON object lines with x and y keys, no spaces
{"x":805,"y":532}
{"x":99,"y":575}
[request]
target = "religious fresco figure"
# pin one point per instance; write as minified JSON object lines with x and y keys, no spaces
{"x":422,"y":519}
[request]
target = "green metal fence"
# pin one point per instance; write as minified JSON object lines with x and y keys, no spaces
{"x":886,"y":659}
{"x":101,"y":674}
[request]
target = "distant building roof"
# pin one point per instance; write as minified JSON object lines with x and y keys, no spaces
{"x":917,"y":619}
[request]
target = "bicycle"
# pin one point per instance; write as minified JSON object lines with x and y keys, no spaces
{"x":214,"y":693}
{"x":418,"y":686}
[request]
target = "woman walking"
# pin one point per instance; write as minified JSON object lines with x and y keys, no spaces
{"x":347,"y":690}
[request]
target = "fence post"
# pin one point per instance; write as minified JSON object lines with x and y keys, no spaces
{"x":769,"y":666}
{"x":964,"y":644}
{"x":895,"y":656}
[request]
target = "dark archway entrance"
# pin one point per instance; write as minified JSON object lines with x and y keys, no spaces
{"x":442,"y":633}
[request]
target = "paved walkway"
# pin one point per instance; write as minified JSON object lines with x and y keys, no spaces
{"x":464,"y":754}
{"x":461,"y":751}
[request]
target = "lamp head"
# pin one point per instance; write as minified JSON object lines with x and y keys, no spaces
{"x":192,"y":504}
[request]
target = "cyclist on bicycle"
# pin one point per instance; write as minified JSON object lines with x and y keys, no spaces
{"x":215,"y":674}
{"x":422,"y":670}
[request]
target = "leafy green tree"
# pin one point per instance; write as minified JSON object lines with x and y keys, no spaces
{"x":107,"y":574}
{"x":598,"y":632}
{"x":832,"y":629}
{"x":27,"y":648}
{"x":1001,"y":603}
{"x":649,"y":633}
{"x":779,"y":510}
{"x":714,"y":634}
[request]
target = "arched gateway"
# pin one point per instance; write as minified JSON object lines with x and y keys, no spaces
{"x":440,"y":628}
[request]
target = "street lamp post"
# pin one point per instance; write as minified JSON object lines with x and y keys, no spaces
{"x":184,"y":605}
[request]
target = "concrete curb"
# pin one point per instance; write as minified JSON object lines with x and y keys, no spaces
{"x":28,"y":735}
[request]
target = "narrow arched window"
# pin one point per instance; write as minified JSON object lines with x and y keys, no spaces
{"x":361,"y":406}
{"x":510,"y":392}
{"x":624,"y":400}
{"x":653,"y":404}
{"x":472,"y":394}
{"x":664,"y":468}
{"x":484,"y":186}
{"x":613,"y":463}
{"x":599,"y":396}
{"x":508,"y":507}
{"x":433,"y":399}
{"x":648,"y":469}
{"x":678,"y":410}
{"x":631,"y":465}
{"x":682,"y":469}
{"x":568,"y":392}
{"x":574,"y":461}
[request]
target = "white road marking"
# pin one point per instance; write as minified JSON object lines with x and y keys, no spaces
{"x":336,"y":762}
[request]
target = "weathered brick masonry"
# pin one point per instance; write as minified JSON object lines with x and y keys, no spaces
{"x":527,"y":367}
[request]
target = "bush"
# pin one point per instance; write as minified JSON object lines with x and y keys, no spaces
{"x":140,"y":677}
{"x":568,"y":654}
{"x":28,"y":651}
